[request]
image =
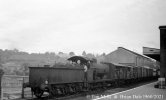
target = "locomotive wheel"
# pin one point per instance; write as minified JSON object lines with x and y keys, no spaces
{"x":38,"y":92}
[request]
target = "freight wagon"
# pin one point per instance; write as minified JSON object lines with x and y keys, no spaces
{"x":55,"y":80}
{"x":62,"y":80}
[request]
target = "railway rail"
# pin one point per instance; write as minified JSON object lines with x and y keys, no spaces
{"x":89,"y":95}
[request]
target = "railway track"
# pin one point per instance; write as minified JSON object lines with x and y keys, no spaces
{"x":90,"y":94}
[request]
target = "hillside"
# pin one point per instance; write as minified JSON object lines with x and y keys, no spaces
{"x":15,"y":62}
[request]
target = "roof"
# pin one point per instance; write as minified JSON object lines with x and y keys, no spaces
{"x":81,"y":58}
{"x":151,"y":48}
{"x":138,"y":54}
{"x":162,"y":27}
{"x":116,"y":64}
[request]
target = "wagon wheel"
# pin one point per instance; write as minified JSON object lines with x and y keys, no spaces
{"x":38,"y":92}
{"x":53,"y":91}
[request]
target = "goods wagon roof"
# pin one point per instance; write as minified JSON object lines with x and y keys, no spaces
{"x":120,"y":65}
{"x":100,"y":66}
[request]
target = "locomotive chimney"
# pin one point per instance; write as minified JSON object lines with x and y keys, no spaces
{"x":162,"y":55}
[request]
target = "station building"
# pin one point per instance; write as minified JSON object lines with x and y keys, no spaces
{"x":130,"y":58}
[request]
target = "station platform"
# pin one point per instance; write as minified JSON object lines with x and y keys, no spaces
{"x":145,"y":92}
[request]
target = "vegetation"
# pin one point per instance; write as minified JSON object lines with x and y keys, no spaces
{"x":15,"y":62}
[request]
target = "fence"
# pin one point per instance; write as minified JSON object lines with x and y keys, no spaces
{"x":12,"y":87}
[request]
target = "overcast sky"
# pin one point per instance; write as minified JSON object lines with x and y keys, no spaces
{"x":95,"y":26}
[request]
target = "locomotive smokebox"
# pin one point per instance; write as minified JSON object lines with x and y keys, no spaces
{"x":162,"y":56}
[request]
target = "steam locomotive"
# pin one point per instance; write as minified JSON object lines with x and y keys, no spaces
{"x":83,"y":74}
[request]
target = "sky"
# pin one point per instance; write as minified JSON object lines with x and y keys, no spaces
{"x":94,"y":26}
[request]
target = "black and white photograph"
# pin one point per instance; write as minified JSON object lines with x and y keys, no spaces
{"x":82,"y":49}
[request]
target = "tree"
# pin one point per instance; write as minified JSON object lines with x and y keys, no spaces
{"x":71,"y":53}
{"x":1,"y":62}
{"x":15,"y":50}
{"x":84,"y":53}
{"x":52,"y":53}
{"x":90,"y":55}
{"x":47,"y":53}
{"x":104,"y":54}
{"x":25,"y":68}
{"x":60,"y":53}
